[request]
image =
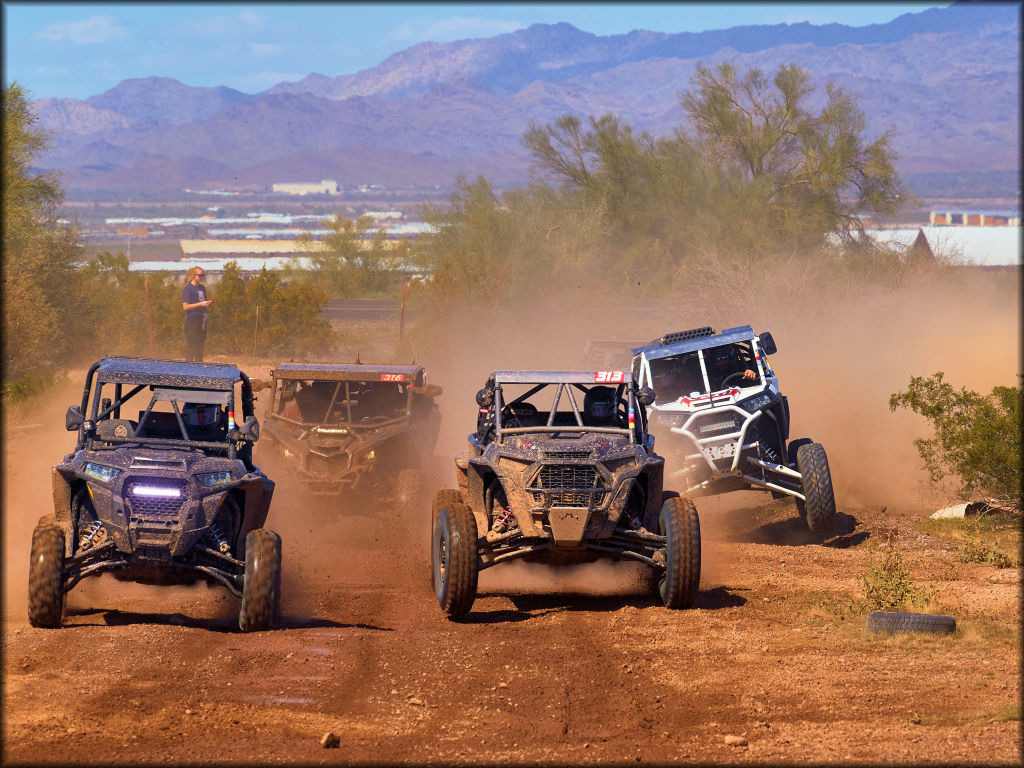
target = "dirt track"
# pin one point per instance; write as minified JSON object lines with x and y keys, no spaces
{"x":143,"y":674}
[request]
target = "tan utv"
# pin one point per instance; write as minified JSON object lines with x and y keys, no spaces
{"x":562,"y":470}
{"x":339,"y":427}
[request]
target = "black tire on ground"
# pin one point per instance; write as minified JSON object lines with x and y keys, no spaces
{"x":888,"y":622}
{"x":680,"y":526}
{"x":409,"y":487}
{"x":261,"y":588}
{"x":46,"y":574}
{"x":454,"y":563}
{"x":442,"y":498}
{"x":816,"y":485}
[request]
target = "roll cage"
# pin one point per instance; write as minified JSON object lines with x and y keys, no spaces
{"x":631,"y":418}
{"x":170,"y":381}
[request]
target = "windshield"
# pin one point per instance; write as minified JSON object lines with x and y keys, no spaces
{"x":537,"y":406}
{"x":681,"y":375}
{"x":312,"y":401}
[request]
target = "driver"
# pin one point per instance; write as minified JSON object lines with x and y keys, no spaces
{"x":203,"y":420}
{"x":725,"y":362}
{"x":599,"y":407}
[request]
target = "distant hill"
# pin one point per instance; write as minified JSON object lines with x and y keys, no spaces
{"x":946,"y":81}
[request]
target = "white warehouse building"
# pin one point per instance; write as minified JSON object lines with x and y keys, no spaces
{"x":326,"y":186}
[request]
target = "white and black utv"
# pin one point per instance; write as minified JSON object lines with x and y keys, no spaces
{"x":718,"y":398}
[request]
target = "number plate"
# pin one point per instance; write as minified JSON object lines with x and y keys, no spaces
{"x":721,"y":451}
{"x":608,"y":377}
{"x":392,"y":377}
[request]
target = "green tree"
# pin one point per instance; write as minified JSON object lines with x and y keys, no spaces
{"x":264,"y":315}
{"x":807,"y":167}
{"x":977,"y":437}
{"x":39,"y":251}
{"x":352,"y":260}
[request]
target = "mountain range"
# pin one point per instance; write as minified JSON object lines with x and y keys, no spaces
{"x":945,"y":81}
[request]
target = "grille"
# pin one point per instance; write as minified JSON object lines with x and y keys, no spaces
{"x":564,"y":455}
{"x":328,"y":467}
{"x":717,"y":424}
{"x":570,"y":483}
{"x":155,"y":514}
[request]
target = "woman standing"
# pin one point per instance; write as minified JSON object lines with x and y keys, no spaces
{"x":194,"y":304}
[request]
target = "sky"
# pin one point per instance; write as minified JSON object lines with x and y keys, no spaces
{"x":77,"y":50}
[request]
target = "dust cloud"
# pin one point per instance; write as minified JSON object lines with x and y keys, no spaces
{"x":843,"y":349}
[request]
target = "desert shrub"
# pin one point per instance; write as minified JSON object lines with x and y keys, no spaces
{"x":886,"y":584}
{"x":977,"y":437}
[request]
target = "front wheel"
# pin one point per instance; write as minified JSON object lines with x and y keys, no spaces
{"x":680,"y":526}
{"x":46,"y":574}
{"x":454,"y":558}
{"x":261,"y":588}
{"x":816,"y":484}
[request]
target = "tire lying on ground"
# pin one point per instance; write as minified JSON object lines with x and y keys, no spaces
{"x":889,"y":622}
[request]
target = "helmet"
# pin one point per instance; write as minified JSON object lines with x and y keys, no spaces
{"x":599,"y":406}
{"x":723,"y":357}
{"x":201,"y":414}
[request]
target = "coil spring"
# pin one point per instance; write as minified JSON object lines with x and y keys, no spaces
{"x":504,"y":521}
{"x":219,"y":538}
{"x":93,"y":534}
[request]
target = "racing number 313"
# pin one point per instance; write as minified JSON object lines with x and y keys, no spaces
{"x":608,"y":377}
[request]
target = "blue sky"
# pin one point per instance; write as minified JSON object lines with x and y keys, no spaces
{"x":79,"y":50}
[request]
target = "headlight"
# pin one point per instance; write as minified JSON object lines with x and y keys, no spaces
{"x":212,"y":479}
{"x":331,"y":430}
{"x":718,"y":426}
{"x":101,"y":472}
{"x":670,"y":419}
{"x":756,"y":403}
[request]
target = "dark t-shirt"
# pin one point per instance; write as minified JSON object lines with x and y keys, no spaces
{"x":192,"y":294}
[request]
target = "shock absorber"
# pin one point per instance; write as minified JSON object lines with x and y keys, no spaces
{"x":632,"y":517}
{"x":92,"y":535}
{"x":504,"y":521}
{"x":219,"y":538}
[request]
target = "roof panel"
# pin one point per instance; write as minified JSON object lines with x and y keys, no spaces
{"x":728,"y":336}
{"x":345,"y":371}
{"x":559,"y":377}
{"x":168,"y":373}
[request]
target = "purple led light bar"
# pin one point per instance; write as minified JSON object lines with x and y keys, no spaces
{"x":156,"y":490}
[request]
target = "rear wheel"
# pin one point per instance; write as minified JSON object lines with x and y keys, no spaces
{"x":46,"y":574}
{"x":816,"y":484}
{"x":454,"y":558}
{"x":261,"y":588}
{"x":680,"y":526}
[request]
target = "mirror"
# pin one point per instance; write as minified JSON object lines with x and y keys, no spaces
{"x":430,"y":390}
{"x":645,"y":396}
{"x":485,"y":398}
{"x":74,"y":419}
{"x":251,"y":429}
{"x":766,"y":343}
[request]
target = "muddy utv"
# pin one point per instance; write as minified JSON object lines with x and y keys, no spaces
{"x":718,"y":399}
{"x":160,"y":489}
{"x":341,"y":427}
{"x":561,"y":470}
